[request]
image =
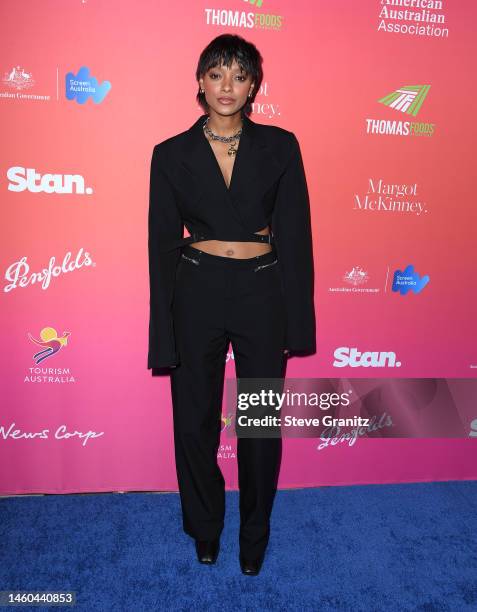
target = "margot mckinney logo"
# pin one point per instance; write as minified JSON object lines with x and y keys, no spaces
{"x":18,"y":273}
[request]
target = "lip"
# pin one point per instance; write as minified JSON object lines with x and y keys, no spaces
{"x":226,"y":100}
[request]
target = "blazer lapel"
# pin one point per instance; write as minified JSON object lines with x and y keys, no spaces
{"x":199,"y":159}
{"x":255,"y":164}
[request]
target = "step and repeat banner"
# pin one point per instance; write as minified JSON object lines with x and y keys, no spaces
{"x":381,"y":97}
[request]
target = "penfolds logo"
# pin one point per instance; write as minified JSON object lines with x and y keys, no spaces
{"x":18,"y":273}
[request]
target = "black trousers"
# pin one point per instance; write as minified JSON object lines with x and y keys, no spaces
{"x":217,"y":300}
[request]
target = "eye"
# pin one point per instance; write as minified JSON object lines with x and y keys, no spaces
{"x":243,"y":78}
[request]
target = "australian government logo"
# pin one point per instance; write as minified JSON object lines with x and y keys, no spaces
{"x":355,"y":280}
{"x":413,"y":17}
{"x":19,"y":82}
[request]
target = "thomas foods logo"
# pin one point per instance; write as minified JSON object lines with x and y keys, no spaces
{"x":407,"y":100}
{"x":244,"y":17}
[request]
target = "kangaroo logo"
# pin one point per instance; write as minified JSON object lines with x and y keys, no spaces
{"x":49,"y":342}
{"x":226,"y":421}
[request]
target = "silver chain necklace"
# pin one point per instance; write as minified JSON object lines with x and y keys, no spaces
{"x":227,"y":139}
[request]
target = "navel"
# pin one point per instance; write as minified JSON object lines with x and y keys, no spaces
{"x":229,"y":252}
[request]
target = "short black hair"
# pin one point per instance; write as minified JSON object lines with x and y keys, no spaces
{"x":224,"y":49}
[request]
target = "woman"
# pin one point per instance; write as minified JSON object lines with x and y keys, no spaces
{"x":230,"y":181}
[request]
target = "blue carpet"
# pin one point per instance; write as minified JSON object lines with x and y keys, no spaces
{"x":372,"y":548}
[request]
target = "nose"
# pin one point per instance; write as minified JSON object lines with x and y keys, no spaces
{"x":226,"y":84}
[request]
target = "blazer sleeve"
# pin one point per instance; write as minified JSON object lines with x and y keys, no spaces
{"x":291,"y":227}
{"x":164,"y":224}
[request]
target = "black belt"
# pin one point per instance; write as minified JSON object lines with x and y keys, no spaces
{"x":199,"y":237}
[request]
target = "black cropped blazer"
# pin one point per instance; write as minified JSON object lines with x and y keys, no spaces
{"x":268,"y":187}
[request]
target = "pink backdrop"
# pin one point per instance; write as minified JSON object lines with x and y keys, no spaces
{"x":328,"y":66}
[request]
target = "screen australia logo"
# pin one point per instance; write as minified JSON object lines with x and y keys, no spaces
{"x":82,"y":86}
{"x":409,"y":280}
{"x":407,"y":100}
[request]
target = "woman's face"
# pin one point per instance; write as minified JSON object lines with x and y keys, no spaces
{"x":226,"y":89}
